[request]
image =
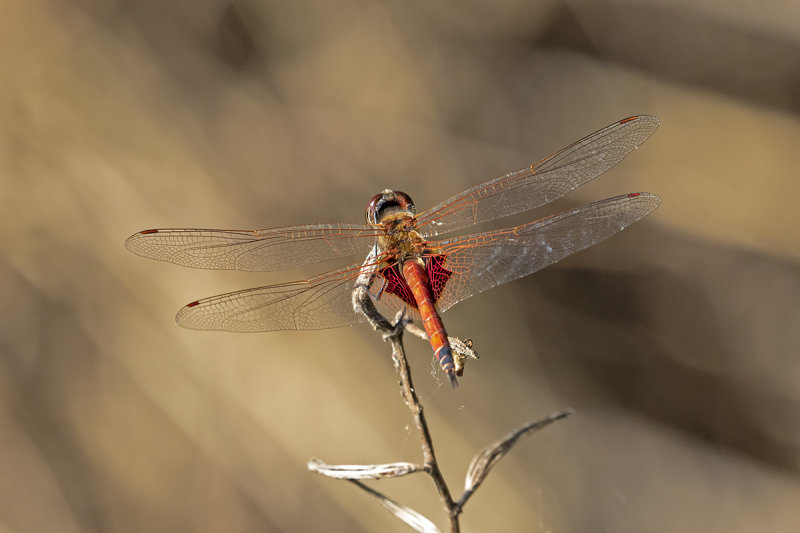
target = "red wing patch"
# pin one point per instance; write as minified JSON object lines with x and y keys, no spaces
{"x":396,"y":284}
{"x":437,"y":275}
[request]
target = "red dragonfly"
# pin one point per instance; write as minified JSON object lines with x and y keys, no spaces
{"x":404,"y":267}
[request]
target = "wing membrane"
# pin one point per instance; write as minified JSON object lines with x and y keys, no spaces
{"x":321,"y":302}
{"x":478,"y":262}
{"x":541,"y":183}
{"x":259,"y":250}
{"x":485,"y":260}
{"x":318,"y":303}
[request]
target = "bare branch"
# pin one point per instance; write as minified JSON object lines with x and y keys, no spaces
{"x":362,"y":303}
{"x":394,"y":334}
{"x":489,"y":456}
{"x":481,"y":464}
{"x":351,"y":472}
{"x":412,"y":402}
{"x":406,"y":514}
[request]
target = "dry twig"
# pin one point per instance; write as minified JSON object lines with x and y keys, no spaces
{"x":480,"y":465}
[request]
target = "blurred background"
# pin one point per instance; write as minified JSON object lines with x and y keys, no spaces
{"x":677,"y":341}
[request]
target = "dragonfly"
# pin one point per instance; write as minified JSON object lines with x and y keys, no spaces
{"x":411,"y":264}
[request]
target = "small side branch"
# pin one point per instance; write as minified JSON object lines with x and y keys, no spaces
{"x":352,"y":472}
{"x":487,"y":458}
{"x":406,"y":514}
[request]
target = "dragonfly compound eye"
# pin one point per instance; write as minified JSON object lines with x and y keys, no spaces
{"x":388,"y":205}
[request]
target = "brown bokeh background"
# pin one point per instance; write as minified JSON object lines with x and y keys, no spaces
{"x":677,"y":342}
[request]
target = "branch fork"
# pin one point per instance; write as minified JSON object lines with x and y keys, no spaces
{"x":481,"y":464}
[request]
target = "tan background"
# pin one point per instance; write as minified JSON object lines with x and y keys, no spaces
{"x":677,"y":341}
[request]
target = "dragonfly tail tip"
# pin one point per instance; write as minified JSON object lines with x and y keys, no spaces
{"x":453,"y":380}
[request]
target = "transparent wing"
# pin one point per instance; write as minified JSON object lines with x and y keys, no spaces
{"x":322,"y":302}
{"x":258,"y":250}
{"x":318,"y":303}
{"x":485,"y":260}
{"x":541,"y":183}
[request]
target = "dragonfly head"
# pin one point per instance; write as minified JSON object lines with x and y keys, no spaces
{"x":389,"y":205}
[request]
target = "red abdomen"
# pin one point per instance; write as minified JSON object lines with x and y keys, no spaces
{"x":417,"y":278}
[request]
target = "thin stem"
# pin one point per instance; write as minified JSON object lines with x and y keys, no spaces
{"x":412,"y":401}
{"x":394,"y":334}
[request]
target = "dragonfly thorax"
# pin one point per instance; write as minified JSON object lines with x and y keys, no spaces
{"x":390,"y":206}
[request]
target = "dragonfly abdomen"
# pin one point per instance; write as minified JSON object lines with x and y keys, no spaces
{"x":418,"y":281}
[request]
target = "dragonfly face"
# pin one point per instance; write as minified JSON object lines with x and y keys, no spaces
{"x":389,"y":206}
{"x":408,"y":269}
{"x":393,"y":212}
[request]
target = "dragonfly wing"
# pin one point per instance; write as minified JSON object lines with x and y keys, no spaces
{"x":541,"y":183}
{"x":321,"y":302}
{"x":258,"y":250}
{"x":485,"y":260}
{"x":318,"y":303}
